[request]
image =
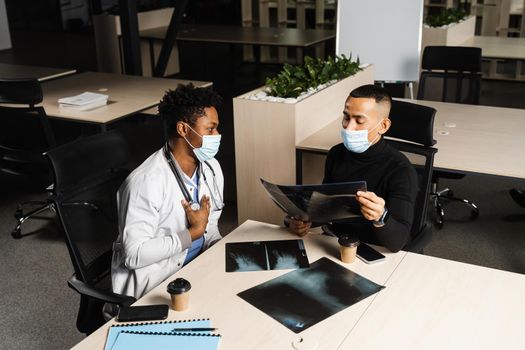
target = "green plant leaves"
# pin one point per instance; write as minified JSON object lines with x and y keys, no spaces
{"x":446,"y":17}
{"x":293,"y":80}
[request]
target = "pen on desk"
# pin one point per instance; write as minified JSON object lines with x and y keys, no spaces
{"x":194,"y":329}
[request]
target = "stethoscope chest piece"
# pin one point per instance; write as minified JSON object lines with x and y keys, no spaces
{"x":195,"y":206}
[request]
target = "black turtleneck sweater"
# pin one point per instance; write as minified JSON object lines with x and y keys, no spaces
{"x":388,"y":174}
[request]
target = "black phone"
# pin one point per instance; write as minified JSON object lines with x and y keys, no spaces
{"x":143,"y":313}
{"x":368,"y":254}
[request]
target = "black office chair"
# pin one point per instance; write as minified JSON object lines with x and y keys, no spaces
{"x":25,"y":134}
{"x":412,"y":134}
{"x":450,"y":74}
{"x":87,"y":174}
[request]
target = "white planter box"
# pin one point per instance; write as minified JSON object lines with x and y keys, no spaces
{"x":265,"y":137}
{"x":453,"y":35}
{"x":107,"y":41}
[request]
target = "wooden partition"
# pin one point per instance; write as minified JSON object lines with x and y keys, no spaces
{"x":266,"y":134}
{"x":452,"y":36}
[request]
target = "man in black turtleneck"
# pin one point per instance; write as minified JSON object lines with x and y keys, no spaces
{"x":388,"y":205}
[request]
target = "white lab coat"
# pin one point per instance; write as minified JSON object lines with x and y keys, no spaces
{"x":153,"y":237}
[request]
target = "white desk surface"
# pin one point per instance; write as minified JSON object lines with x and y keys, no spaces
{"x":498,"y":47}
{"x":486,"y":140}
{"x":127,"y":95}
{"x":242,"y":326}
{"x":433,"y":303}
{"x":16,"y":71}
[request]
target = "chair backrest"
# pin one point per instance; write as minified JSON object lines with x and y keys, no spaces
{"x":20,"y":91}
{"x":412,"y":134}
{"x":87,"y":160}
{"x":86,"y":203}
{"x":450,"y":74}
{"x":25,"y":132}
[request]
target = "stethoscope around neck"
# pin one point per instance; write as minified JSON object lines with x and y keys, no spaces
{"x":219,"y":205}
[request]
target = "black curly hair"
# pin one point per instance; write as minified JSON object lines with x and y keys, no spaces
{"x":186,"y":103}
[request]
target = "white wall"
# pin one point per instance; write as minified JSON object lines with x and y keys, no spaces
{"x":5,"y":37}
{"x":386,"y":33}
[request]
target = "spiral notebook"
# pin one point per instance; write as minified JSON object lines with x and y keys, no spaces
{"x":155,"y":335}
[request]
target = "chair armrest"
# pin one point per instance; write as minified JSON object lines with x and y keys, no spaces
{"x":106,"y":296}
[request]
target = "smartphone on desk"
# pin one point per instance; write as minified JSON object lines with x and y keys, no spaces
{"x":368,"y":254}
{"x":143,"y":313}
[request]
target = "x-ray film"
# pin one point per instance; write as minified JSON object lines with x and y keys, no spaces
{"x":267,"y":255}
{"x":304,"y":297}
{"x":318,"y":203}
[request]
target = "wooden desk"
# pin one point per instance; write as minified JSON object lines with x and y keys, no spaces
{"x":127,"y":95}
{"x":289,"y":37}
{"x":241,"y":325}
{"x":486,"y":140}
{"x":498,"y":47}
{"x":15,"y":71}
{"x":432,"y":303}
{"x":495,"y":49}
{"x":232,"y":35}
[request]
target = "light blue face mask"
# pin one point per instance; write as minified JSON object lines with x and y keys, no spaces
{"x":357,"y":140}
{"x":210,"y":146}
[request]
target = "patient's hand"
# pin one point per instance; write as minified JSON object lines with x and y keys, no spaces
{"x":299,"y":227}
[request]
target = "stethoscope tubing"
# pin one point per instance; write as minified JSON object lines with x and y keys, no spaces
{"x":185,"y":192}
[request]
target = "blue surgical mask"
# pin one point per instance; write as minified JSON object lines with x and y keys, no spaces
{"x":357,"y":140}
{"x":209,"y":148}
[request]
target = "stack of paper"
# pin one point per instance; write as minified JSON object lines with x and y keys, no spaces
{"x":84,"y":101}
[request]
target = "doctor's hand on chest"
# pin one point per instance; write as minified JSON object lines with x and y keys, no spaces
{"x":197,"y":219}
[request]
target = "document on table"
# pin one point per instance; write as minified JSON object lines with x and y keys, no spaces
{"x":84,"y":101}
{"x":128,"y":340}
{"x":116,"y":340}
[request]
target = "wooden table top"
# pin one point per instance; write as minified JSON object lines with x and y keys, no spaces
{"x":498,"y":47}
{"x":127,"y":95}
{"x":478,"y":139}
{"x":290,"y":37}
{"x":432,"y":303}
{"x":241,"y":325}
{"x":16,"y":71}
{"x":428,"y":303}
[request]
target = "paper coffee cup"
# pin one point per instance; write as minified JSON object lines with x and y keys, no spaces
{"x":180,"y":296}
{"x":348,"y":248}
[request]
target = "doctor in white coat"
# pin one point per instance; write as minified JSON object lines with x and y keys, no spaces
{"x":170,"y":205}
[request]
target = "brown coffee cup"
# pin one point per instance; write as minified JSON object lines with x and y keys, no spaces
{"x":180,"y":296}
{"x":348,"y":248}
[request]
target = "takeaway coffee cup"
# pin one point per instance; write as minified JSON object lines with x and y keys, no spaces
{"x":348,"y":248}
{"x":180,"y":296}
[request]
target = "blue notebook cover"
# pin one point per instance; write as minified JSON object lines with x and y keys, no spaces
{"x":162,"y":326}
{"x":127,"y":340}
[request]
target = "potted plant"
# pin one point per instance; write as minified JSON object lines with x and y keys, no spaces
{"x":271,"y":120}
{"x":151,"y":14}
{"x":450,"y":27}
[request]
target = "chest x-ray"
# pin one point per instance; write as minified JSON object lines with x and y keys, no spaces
{"x":318,"y":203}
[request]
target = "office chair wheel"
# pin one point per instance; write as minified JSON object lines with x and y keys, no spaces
{"x":474,"y":214}
{"x":17,"y":232}
{"x":440,"y":214}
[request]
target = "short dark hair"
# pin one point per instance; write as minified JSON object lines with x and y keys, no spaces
{"x":379,"y":94}
{"x":186,"y":104}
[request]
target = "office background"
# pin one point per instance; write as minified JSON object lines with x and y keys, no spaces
{"x":37,"y":308}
